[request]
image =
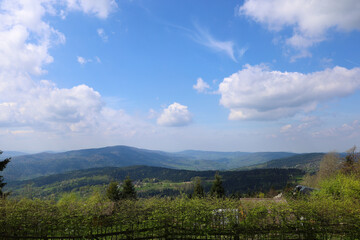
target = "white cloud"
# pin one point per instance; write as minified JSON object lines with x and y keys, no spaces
{"x":346,"y":130}
{"x":100,"y":8}
{"x":21,"y":21}
{"x":306,"y":124}
{"x":310,"y":20}
{"x":102,"y":34}
{"x":203,"y":37}
{"x":82,"y":60}
{"x":285,"y":128}
{"x":175,"y":115}
{"x":40,"y":107}
{"x":258,"y":93}
{"x":201,"y":86}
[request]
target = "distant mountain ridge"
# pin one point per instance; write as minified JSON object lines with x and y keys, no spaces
{"x":43,"y":164}
{"x":308,"y":162}
{"x":7,"y":154}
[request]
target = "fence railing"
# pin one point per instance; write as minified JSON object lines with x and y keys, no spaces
{"x":176,"y":231}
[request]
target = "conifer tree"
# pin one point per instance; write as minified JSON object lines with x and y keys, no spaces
{"x":217,"y":190}
{"x":113,"y":192}
{"x":2,"y":167}
{"x":128,"y":191}
{"x":198,"y":189}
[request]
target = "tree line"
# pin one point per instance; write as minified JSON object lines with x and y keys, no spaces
{"x":126,"y":190}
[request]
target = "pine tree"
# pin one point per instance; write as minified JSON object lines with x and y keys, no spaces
{"x":217,"y":190}
{"x":2,"y":167}
{"x":113,"y":192}
{"x":128,"y":191}
{"x":198,"y":189}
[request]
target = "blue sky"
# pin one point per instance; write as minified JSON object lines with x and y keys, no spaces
{"x":253,"y":75}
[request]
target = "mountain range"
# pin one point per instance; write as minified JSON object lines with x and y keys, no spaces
{"x":42,"y":164}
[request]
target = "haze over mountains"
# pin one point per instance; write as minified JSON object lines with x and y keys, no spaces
{"x":42,"y":164}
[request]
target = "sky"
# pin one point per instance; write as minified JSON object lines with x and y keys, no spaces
{"x":253,"y":75}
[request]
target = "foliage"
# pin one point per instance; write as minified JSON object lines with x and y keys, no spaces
{"x":217,"y":189}
{"x":329,"y":167}
{"x":351,"y":161}
{"x":316,"y":218}
{"x":3,"y":164}
{"x":342,"y":187}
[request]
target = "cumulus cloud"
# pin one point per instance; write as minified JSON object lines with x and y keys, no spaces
{"x":26,"y":38}
{"x":310,"y":20}
{"x":32,"y":106}
{"x":256,"y":92}
{"x":200,"y":85}
{"x":21,"y":21}
{"x":175,"y":115}
{"x":46,"y":106}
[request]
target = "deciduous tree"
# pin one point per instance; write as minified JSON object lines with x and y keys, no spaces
{"x":351,"y":159}
{"x":329,"y":166}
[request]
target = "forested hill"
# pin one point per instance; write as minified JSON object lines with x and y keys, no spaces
{"x":42,"y":164}
{"x":309,"y":162}
{"x":233,"y":181}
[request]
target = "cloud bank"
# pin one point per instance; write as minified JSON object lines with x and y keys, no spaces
{"x":257,"y":93}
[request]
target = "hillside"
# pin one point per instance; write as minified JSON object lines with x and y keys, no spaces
{"x":308,"y":162}
{"x":233,"y":159}
{"x":29,"y":166}
{"x":42,"y":164}
{"x":165,"y":180}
